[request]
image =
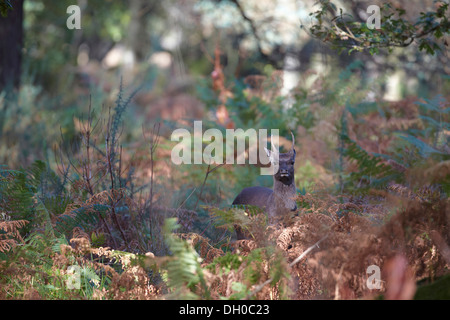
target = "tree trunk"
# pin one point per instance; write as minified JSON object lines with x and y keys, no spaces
{"x":138,"y":38}
{"x":11,"y":41}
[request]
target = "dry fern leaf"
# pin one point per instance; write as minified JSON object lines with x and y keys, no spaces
{"x":12,"y":226}
{"x":7,"y":244}
{"x":439,"y":171}
{"x":11,"y":234}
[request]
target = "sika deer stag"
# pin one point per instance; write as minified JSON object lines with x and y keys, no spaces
{"x":279,"y":201}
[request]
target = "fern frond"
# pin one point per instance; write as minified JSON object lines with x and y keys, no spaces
{"x":12,"y":227}
{"x":16,"y":195}
{"x":7,"y":244}
{"x":75,"y":217}
{"x":183,"y":268}
{"x":228,"y":218}
{"x":424,"y":149}
{"x":9,"y":234}
{"x":372,"y":171}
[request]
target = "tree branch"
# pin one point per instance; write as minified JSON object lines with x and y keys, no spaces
{"x":293,"y":263}
{"x":254,"y":32}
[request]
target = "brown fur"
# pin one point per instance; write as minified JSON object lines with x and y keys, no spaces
{"x":279,"y":201}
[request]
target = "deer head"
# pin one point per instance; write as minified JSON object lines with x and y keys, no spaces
{"x":283,"y":163}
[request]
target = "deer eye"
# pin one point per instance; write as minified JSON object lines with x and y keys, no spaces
{"x":292,"y":162}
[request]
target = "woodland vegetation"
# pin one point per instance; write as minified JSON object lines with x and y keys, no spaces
{"x":86,"y":177}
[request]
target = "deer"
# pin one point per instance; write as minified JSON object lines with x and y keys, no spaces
{"x":279,"y":201}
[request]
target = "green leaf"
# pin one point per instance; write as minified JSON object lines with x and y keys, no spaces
{"x":423,"y":148}
{"x":5,"y":6}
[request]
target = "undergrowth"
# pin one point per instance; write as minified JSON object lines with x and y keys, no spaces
{"x":94,"y":224}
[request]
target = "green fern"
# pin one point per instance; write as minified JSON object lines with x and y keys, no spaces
{"x":184,"y":272}
{"x":424,"y":149}
{"x":236,"y":215}
{"x":16,"y":196}
{"x":86,"y":216}
{"x":435,"y":141}
{"x":373,"y":171}
{"x":35,"y":194}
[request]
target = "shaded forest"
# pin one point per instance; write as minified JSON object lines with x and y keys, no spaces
{"x":93,"y":207}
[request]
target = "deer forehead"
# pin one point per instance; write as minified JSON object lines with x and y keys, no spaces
{"x":285,"y":158}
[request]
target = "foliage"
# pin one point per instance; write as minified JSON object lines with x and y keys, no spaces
{"x":372,"y":171}
{"x":88,"y":187}
{"x":192,"y":267}
{"x":344,"y":32}
{"x":9,"y":234}
{"x":5,"y":6}
{"x":377,"y":170}
{"x":41,"y":269}
{"x":184,"y":272}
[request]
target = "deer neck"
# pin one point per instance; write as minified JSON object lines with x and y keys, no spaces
{"x":282,"y":200}
{"x":284,"y":194}
{"x":281,"y":188}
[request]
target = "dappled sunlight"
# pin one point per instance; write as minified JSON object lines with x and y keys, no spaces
{"x":217,"y":150}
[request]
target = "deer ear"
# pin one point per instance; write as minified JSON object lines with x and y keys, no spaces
{"x":269,"y":154}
